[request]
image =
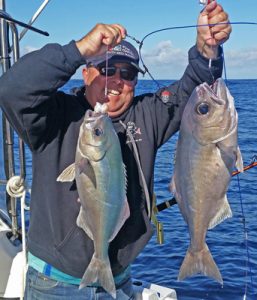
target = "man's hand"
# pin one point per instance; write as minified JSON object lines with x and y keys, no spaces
{"x":210,"y":37}
{"x":101,"y":36}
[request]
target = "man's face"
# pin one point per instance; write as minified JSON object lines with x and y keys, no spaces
{"x":120,"y":91}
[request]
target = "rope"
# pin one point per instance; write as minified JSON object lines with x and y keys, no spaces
{"x":16,"y":188}
{"x":24,"y":247}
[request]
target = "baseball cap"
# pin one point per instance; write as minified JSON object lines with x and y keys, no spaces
{"x":121,"y":53}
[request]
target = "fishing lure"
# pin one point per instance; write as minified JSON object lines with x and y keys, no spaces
{"x":205,"y":2}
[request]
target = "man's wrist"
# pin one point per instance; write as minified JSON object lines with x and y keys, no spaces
{"x":210,"y":52}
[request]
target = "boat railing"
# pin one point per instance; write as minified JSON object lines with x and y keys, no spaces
{"x":8,"y":132}
{"x":8,"y":31}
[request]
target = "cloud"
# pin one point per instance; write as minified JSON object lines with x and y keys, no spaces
{"x":27,"y":49}
{"x":241,"y":63}
{"x":165,"y":53}
{"x":242,"y":58}
{"x":164,"y":60}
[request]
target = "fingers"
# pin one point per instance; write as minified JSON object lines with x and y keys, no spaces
{"x":211,"y":36}
{"x":102,"y":35}
{"x":112,"y":34}
{"x":219,"y":31}
{"x":209,"y":8}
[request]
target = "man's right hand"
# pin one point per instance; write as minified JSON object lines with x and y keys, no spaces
{"x":99,"y":38}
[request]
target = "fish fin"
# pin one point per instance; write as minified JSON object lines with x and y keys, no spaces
{"x":82,"y":165}
{"x":68,"y":174}
{"x":175,"y":154}
{"x":81,"y":222}
{"x":223,"y":213}
{"x":199,"y":262}
{"x":124,"y":215}
{"x":239,"y":161}
{"x":173,"y":189}
{"x":231,"y":155}
{"x":173,"y":185}
{"x":99,"y":271}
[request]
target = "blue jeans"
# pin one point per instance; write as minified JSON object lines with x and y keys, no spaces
{"x":41,"y":287}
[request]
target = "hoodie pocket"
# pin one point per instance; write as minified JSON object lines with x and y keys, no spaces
{"x":75,"y":252}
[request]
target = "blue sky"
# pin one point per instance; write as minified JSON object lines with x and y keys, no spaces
{"x":165,"y":54}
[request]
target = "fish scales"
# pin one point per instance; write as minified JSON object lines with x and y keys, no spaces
{"x":207,"y":152}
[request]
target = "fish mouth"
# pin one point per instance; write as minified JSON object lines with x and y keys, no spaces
{"x":220,"y":91}
{"x":91,"y":117}
{"x":216,"y":92}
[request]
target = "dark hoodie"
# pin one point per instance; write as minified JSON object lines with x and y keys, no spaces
{"x":48,"y":121}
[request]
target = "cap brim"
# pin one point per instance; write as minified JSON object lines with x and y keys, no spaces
{"x":137,"y":67}
{"x":116,"y":59}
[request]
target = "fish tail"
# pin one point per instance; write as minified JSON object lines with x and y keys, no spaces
{"x":99,"y":271}
{"x":199,"y":262}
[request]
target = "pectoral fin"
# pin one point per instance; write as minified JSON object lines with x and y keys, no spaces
{"x":223,"y":213}
{"x":68,"y":174}
{"x":239,"y":161}
{"x":85,"y":167}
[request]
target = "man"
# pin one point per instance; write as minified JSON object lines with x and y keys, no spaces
{"x":48,"y":121}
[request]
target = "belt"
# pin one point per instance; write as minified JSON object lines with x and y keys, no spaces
{"x":50,"y":271}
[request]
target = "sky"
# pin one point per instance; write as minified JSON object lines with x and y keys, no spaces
{"x":165,"y":53}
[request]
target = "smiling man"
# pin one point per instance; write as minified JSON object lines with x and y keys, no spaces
{"x":48,"y":120}
{"x":113,"y":81}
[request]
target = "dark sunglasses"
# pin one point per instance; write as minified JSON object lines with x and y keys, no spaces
{"x":125,"y":73}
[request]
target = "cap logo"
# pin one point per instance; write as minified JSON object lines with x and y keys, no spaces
{"x":122,"y":50}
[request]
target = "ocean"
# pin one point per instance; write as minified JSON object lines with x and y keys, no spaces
{"x":233,"y":243}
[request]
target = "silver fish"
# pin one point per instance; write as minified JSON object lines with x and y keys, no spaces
{"x":101,"y":182}
{"x":207,"y":152}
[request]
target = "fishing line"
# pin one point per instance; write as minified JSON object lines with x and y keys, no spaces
{"x":106,"y":75}
{"x":224,"y":66}
{"x":175,"y":28}
{"x":247,"y":263}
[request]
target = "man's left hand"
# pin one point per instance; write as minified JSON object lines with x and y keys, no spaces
{"x":210,"y":37}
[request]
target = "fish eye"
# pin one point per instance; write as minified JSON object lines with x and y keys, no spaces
{"x":98,"y":131}
{"x":202,"y":108}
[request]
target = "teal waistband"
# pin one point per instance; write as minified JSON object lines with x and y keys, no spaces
{"x":50,"y":271}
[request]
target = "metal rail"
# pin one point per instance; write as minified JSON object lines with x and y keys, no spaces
{"x":8,"y":27}
{"x":7,"y":130}
{"x":33,"y":19}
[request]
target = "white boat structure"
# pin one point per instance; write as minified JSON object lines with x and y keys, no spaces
{"x":12,"y":183}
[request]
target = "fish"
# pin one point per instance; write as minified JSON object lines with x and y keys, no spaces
{"x":100,"y":177}
{"x":206,"y":154}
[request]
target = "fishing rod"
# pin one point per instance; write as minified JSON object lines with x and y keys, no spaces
{"x":33,"y":19}
{"x":6,"y":17}
{"x":171,"y":202}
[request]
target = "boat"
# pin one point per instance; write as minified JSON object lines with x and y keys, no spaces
{"x":13,"y":190}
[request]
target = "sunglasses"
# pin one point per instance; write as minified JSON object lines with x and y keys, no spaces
{"x":128,"y":74}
